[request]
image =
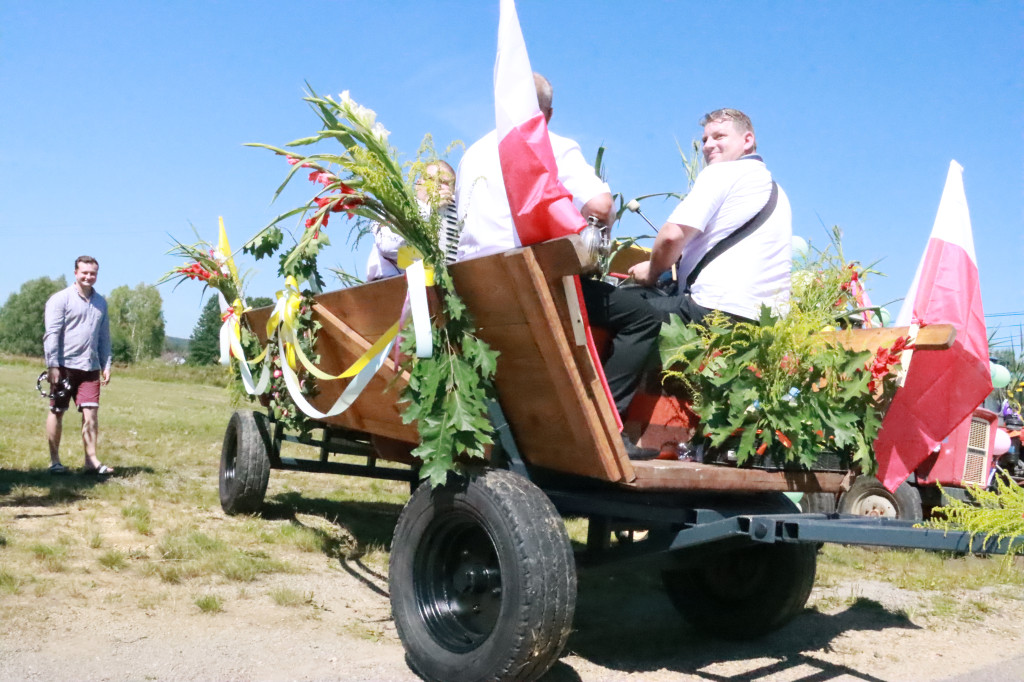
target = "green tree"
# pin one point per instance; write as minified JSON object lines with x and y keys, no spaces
{"x":21,"y":318}
{"x":204,"y":344}
{"x":136,"y":322}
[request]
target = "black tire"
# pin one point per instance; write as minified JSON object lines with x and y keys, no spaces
{"x":245,"y":463}
{"x":820,"y":503}
{"x":482,"y":579}
{"x":868,"y":497}
{"x":749,"y":591}
{"x":746,"y":592}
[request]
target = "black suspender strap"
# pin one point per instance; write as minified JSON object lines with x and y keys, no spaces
{"x":739,"y":233}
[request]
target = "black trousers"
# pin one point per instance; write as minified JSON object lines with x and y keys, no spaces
{"x":634,"y":316}
{"x":634,"y":325}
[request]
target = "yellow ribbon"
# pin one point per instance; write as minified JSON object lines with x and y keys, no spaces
{"x":224,"y":254}
{"x":284,"y":320}
{"x":407,"y":255}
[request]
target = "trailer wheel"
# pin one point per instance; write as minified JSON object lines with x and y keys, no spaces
{"x":482,"y":579}
{"x":744,"y":593}
{"x":821,"y":503}
{"x":245,"y":462}
{"x":868,"y":497}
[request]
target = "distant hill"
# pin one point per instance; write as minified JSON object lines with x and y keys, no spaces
{"x":174,"y":344}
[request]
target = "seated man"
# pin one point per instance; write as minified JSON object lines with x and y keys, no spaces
{"x":434,"y":185}
{"x":730,"y":237}
{"x":488,"y":228}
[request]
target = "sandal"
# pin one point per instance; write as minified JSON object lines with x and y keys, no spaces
{"x":58,"y":469}
{"x":101,"y":470}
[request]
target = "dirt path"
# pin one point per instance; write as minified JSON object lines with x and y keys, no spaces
{"x":106,"y":628}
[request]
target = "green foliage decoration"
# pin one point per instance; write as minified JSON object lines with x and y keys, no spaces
{"x":782,"y":392}
{"x":994,"y":513}
{"x":448,"y":393}
{"x":22,"y":316}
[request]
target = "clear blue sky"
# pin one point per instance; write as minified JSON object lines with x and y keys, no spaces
{"x":122,"y":123}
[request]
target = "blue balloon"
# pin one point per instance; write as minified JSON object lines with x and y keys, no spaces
{"x":1000,"y":375}
{"x":799,"y":246}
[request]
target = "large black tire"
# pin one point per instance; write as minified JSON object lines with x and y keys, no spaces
{"x":749,"y":591}
{"x":482,"y":579}
{"x":245,"y":462}
{"x":821,"y":503}
{"x":868,"y":497}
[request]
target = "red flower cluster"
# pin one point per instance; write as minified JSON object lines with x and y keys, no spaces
{"x":884,"y":359}
{"x":196,"y":271}
{"x":346,"y":200}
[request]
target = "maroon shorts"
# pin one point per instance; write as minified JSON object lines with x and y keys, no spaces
{"x":85,"y":389}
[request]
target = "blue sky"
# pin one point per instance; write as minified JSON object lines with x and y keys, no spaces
{"x":122,"y":123}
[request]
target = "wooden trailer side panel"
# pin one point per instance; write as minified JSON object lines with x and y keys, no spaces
{"x":547,"y":385}
{"x":352,"y":320}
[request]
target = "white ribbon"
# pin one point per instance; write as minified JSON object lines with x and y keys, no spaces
{"x":416,"y":280}
{"x":347,"y":397}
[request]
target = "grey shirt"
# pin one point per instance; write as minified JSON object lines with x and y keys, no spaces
{"x":77,"y":332}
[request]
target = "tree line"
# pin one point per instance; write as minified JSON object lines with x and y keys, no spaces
{"x":136,"y":322}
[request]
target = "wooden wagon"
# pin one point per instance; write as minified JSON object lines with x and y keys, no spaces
{"x":482,"y":574}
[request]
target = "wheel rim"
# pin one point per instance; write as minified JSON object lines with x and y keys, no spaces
{"x":875,"y":505}
{"x":457,"y":581}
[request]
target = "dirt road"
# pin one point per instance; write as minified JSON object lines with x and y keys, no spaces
{"x":106,"y":628}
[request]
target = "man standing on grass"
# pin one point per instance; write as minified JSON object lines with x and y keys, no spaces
{"x":76,"y":345}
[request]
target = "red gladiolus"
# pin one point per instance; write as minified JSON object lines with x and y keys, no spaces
{"x":324,"y":179}
{"x":884,"y":359}
{"x":196,"y":271}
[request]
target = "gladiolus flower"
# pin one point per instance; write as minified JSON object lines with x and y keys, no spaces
{"x":324,"y":179}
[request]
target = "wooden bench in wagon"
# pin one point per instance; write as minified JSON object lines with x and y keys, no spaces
{"x":482,"y":573}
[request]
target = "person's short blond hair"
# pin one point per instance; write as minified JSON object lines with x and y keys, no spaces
{"x":545,"y":94}
{"x":739,"y":119}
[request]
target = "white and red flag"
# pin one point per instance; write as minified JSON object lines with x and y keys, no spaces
{"x":942,"y":387}
{"x":541,"y":206}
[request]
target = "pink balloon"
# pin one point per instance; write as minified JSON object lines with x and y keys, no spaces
{"x":1002,"y":443}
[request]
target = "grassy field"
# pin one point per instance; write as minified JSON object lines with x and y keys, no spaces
{"x":157,"y":524}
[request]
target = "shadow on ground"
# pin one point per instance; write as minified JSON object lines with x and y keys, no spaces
{"x":20,"y":488}
{"x":627,"y":623}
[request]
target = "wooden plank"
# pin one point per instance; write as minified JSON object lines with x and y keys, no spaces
{"x":588,"y":451}
{"x":931,"y":337}
{"x":672,"y":475}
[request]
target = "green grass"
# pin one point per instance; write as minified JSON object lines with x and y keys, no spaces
{"x":155,"y":529}
{"x":285,"y":596}
{"x":209,"y":603}
{"x":114,"y":559}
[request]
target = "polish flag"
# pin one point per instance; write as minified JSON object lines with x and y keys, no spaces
{"x":542,"y":208}
{"x":943,"y":387}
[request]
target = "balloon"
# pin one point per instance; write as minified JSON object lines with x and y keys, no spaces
{"x":1000,"y":375}
{"x":886,"y":318}
{"x":1001,"y":444}
{"x":799,"y":246}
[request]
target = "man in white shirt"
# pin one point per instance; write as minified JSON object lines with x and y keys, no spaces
{"x":480,"y":190}
{"x":733,"y":192}
{"x":488,"y":228}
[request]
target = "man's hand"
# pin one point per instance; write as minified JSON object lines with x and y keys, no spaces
{"x":53,"y":375}
{"x":641,"y":272}
{"x":106,"y":377}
